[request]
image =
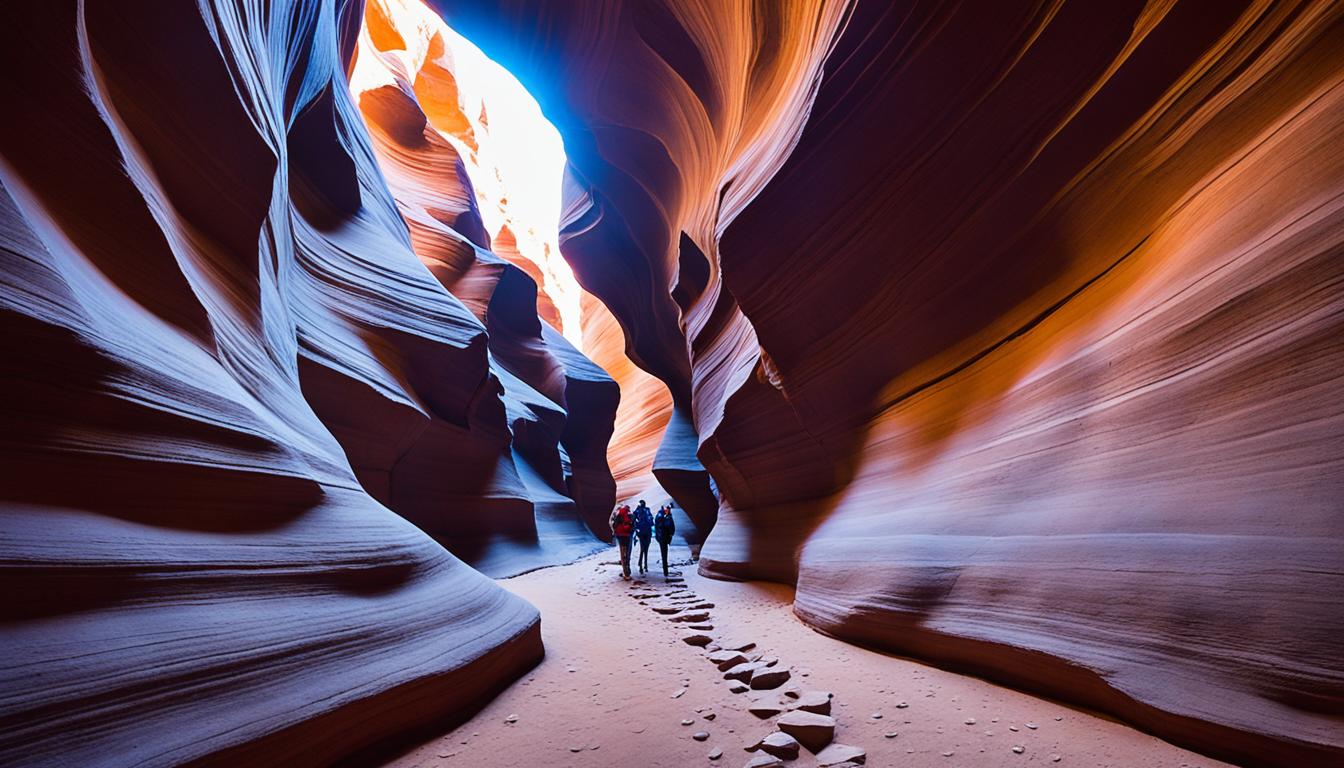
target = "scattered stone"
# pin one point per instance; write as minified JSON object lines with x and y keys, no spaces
{"x":969,"y":721}
{"x":738,"y":688}
{"x":1013,"y":728}
{"x":743,"y":671}
{"x":576,"y":749}
{"x":1032,"y":726}
{"x":726,"y":660}
{"x":511,"y":719}
{"x":781,"y":745}
{"x":665,"y":610}
{"x":1055,"y":758}
{"x":739,"y":645}
{"x":804,"y":672}
{"x":1018,"y":749}
{"x":836,"y":754}
{"x":715,"y":753}
{"x":687,"y":722}
{"x":764,"y":707}
{"x":763,"y":761}
{"x":769,"y":661}
{"x":703,"y":627}
{"x":810,"y":729}
{"x":709,"y":715}
{"x":1057,"y":719}
{"x":697,"y":638}
{"x":694,"y":618}
{"x":817,"y":702}
{"x":767,"y":679}
{"x":890,"y":734}
{"x":902,"y":705}
{"x":677,"y":694}
{"x":595,"y":747}
{"x":876,"y":715}
{"x":948,"y":753}
{"x":700,"y":736}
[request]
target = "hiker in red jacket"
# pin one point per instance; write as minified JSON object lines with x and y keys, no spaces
{"x":622,"y":526}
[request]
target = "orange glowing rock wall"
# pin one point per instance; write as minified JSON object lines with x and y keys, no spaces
{"x":1024,"y":356}
{"x":226,"y":368}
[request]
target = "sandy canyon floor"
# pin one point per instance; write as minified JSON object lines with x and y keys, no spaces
{"x":619,"y":687}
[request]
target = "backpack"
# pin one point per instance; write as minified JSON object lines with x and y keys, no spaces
{"x":623,"y":524}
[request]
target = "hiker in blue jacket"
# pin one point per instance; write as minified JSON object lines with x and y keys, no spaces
{"x":663,"y":528}
{"x":643,"y":529}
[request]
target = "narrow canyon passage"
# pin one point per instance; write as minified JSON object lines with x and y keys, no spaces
{"x":1003,"y":337}
{"x":619,"y":687}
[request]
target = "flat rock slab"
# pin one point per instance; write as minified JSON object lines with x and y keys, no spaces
{"x":695,"y":617}
{"x":810,"y":729}
{"x":743,"y":672}
{"x":763,"y":761}
{"x":696,"y":638}
{"x":779,"y":744}
{"x":764,"y":707}
{"x":840,"y":754}
{"x":765,"y":678}
{"x":665,"y":610}
{"x":726,"y":660}
{"x":817,"y":702}
{"x":735,"y":644}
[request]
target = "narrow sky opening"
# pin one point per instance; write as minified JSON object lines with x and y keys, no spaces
{"x":513,"y":155}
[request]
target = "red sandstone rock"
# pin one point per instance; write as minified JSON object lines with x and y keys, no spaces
{"x":1038,"y":315}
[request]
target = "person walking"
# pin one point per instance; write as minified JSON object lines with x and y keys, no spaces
{"x":663,"y":528}
{"x":622,"y":525}
{"x":643,"y":529}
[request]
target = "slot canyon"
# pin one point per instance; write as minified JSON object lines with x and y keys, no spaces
{"x":990,"y":356}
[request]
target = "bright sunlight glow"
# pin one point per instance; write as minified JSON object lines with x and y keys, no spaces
{"x":513,"y":155}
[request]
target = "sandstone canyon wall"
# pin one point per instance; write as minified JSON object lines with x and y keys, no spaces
{"x":232,"y":373}
{"x":1009,"y":332}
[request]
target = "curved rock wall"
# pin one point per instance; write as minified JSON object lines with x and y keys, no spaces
{"x":223,"y":367}
{"x":1026,"y":358}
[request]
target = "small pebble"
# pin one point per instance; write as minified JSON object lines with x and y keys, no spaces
{"x":876,"y":715}
{"x":1013,"y":728}
{"x":511,"y":719}
{"x":947,"y":754}
{"x":969,"y":721}
{"x":1032,"y":726}
{"x":902,"y":705}
{"x":715,"y":754}
{"x":890,"y":734}
{"x":576,"y":749}
{"x":1055,"y":758}
{"x":700,"y":736}
{"x":687,"y":722}
{"x":1018,"y":749}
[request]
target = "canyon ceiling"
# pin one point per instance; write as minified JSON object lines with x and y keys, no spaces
{"x":1012,"y":334}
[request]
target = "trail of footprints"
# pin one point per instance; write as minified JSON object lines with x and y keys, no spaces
{"x":802,"y":718}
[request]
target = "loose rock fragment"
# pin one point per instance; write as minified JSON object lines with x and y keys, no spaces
{"x":767,"y":679}
{"x":1019,"y":749}
{"x":818,"y":702}
{"x":781,"y":745}
{"x":700,"y":735}
{"x":836,"y":754}
{"x":763,"y":761}
{"x":715,"y":753}
{"x":764,"y":707}
{"x":738,"y":688}
{"x":726,"y":660}
{"x":810,"y":729}
{"x":511,"y":719}
{"x":696,"y":638}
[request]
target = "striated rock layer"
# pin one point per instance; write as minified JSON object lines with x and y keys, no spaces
{"x":224,"y":366}
{"x":1024,"y":355}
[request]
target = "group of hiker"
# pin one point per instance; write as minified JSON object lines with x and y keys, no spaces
{"x":642,"y":524}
